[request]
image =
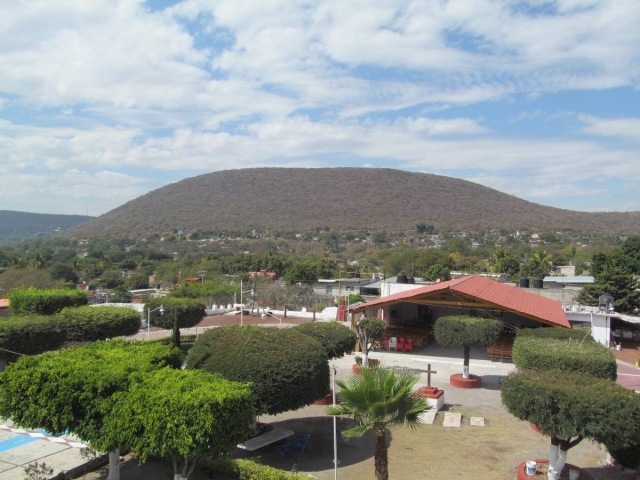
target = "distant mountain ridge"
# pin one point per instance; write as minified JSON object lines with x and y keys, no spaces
{"x":343,"y":198}
{"x":15,"y":226}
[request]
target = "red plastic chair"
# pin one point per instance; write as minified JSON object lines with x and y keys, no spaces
{"x":408,"y":345}
{"x":385,"y":344}
{"x":401,"y":344}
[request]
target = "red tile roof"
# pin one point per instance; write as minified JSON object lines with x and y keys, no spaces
{"x":489,"y":291}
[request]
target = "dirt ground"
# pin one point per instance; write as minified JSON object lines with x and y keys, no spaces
{"x":433,"y":452}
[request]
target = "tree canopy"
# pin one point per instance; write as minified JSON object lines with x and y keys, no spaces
{"x":183,"y":415}
{"x":333,"y":336}
{"x":287,"y":368}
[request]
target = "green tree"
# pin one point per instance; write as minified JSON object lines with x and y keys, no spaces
{"x":463,"y":331}
{"x":368,"y":330}
{"x":37,"y":260}
{"x":377,"y":399}
{"x":570,"y":407}
{"x":509,"y":265}
{"x":136,"y":282}
{"x":333,"y":336}
{"x":178,"y":313}
{"x":209,"y":416}
{"x":615,"y":280}
{"x":437,"y":271}
{"x":287,"y":368}
{"x":302,"y":272}
{"x":73,"y":389}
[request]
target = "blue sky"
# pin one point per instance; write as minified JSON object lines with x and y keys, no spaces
{"x":102,"y":101}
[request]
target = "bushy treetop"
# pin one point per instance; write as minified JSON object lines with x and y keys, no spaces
{"x":569,"y":355}
{"x":333,"y":336}
{"x":178,"y":413}
{"x":287,"y":368}
{"x":460,"y":331}
{"x":571,"y":404}
{"x":187,"y":311}
{"x":72,"y":389}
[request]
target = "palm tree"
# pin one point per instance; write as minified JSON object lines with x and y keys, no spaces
{"x":541,"y":258}
{"x":379,"y":398}
{"x":37,"y":260}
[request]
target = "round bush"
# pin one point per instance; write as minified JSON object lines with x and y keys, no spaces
{"x":333,"y":336}
{"x":187,"y":311}
{"x":460,"y":331}
{"x":288,"y":369}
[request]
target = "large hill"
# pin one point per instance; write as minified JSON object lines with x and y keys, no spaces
{"x":16,"y":226}
{"x":346,"y":198}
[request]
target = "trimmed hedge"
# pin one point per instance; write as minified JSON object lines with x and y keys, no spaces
{"x":570,"y":404}
{"x":187,"y":311}
{"x":534,"y":353}
{"x":333,"y":336}
{"x":287,"y":368}
{"x":245,"y":469}
{"x":44,"y":302}
{"x":30,"y":335}
{"x":88,"y":324}
{"x":460,"y":331}
{"x":578,"y":334}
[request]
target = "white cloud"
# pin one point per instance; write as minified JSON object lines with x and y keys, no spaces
{"x":103,"y":88}
{"x":611,"y":127}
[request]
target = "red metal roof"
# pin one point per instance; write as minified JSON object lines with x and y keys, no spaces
{"x":502,"y":296}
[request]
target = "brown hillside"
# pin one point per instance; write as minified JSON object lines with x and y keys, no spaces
{"x":347,"y":198}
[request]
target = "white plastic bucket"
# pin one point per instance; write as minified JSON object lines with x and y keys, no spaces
{"x":530,"y":468}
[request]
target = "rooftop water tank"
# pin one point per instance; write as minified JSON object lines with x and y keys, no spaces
{"x":524,"y":282}
{"x":402,"y":278}
{"x":537,"y":283}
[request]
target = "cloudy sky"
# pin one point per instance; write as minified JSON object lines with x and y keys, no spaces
{"x":104,"y":100}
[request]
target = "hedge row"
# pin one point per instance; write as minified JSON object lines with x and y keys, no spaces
{"x":35,"y":334}
{"x":574,"y":404}
{"x":533,"y":353}
{"x":333,"y":336}
{"x":30,"y":335}
{"x":88,"y":324}
{"x":26,"y":301}
{"x":245,"y":470}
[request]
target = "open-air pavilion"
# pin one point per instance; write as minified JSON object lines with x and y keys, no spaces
{"x":412,"y":313}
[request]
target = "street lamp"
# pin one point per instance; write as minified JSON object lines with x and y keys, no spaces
{"x":149,"y":312}
{"x":242,"y":303}
{"x":265,"y":313}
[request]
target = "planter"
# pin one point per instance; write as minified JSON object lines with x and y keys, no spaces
{"x":456,"y":380}
{"x":435,"y":397}
{"x":541,"y":471}
{"x":326,"y":400}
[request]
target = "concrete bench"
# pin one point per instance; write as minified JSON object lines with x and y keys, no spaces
{"x":265,"y":439}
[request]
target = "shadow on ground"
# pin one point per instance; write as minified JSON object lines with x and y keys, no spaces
{"x":318,"y":455}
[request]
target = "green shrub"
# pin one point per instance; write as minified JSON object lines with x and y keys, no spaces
{"x":333,"y":336}
{"x":571,"y":404}
{"x":589,"y":357}
{"x":30,"y":335}
{"x":44,"y":302}
{"x":186,"y":311}
{"x":628,"y":457}
{"x":88,"y":324}
{"x":578,"y":334}
{"x":245,"y":470}
{"x":287,"y":368}
{"x":460,"y":331}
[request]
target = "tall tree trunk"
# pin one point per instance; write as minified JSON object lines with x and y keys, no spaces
{"x":381,"y":460}
{"x":114,"y":465}
{"x":465,"y":365}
